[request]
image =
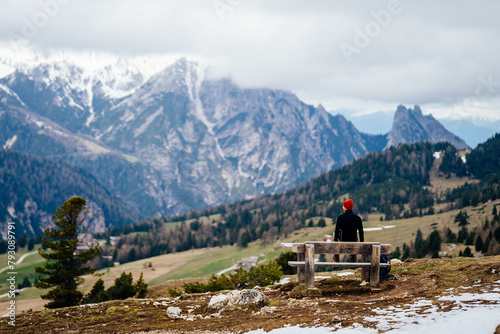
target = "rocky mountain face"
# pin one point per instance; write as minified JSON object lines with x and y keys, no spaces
{"x":165,"y":141}
{"x":410,"y":126}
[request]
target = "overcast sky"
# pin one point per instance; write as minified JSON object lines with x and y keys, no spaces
{"x":361,"y":56}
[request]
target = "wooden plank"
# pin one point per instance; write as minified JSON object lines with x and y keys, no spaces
{"x":322,"y":247}
{"x":301,"y":278}
{"x":336,"y":247}
{"x":309,"y":266}
{"x":375,"y":268}
{"x":365,"y":272}
{"x":301,"y":264}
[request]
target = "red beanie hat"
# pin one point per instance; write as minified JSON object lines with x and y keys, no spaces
{"x":348,"y":204}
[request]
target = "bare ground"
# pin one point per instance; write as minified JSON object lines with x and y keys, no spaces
{"x":339,"y":301}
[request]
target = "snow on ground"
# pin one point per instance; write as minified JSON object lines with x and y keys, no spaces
{"x":469,"y":313}
{"x":380,"y":228}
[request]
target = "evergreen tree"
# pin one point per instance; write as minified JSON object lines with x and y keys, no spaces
{"x":467,"y":252}
{"x":65,"y":264}
{"x":97,"y":294}
{"x":406,"y":254}
{"x":141,"y":287}
{"x":26,"y":282}
{"x":31,"y":244}
{"x":3,"y":246}
{"x":486,"y":243}
{"x":123,"y":288}
{"x":131,"y":255}
{"x":494,"y":210}
{"x":283,"y":262}
{"x":434,"y":242}
{"x":450,"y":236}
{"x":479,"y":243}
{"x":396,"y":254}
{"x":22,"y":241}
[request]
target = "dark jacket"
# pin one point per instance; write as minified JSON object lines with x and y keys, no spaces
{"x":347,"y":227}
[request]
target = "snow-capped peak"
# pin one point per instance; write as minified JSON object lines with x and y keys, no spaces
{"x":119,"y":76}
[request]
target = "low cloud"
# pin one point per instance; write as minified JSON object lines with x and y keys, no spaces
{"x":427,"y":53}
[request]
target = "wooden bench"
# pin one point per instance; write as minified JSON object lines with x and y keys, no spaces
{"x":369,"y":251}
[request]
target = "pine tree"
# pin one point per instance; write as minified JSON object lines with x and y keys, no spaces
{"x":123,"y":288}
{"x":467,"y":252}
{"x":479,"y":243}
{"x":26,"y":282}
{"x":65,"y":264}
{"x":141,"y":287}
{"x":97,"y":294}
{"x":31,"y":244}
{"x":434,"y":242}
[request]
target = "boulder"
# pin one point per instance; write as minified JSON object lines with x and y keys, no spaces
{"x":174,"y":312}
{"x":233,"y":296}
{"x":251,"y":296}
{"x":218,"y":302}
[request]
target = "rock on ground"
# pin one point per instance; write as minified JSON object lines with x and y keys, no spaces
{"x":174,"y":312}
{"x":218,"y":302}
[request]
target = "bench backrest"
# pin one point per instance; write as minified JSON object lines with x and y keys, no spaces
{"x":320,"y":247}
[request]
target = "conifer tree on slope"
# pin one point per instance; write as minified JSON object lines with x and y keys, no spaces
{"x":65,"y":264}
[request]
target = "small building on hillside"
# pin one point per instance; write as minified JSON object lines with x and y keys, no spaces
{"x":248,"y":262}
{"x":85,"y":241}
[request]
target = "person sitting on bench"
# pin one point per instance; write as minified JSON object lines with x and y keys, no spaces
{"x":347,"y":227}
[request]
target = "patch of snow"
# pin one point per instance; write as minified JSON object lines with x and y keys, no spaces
{"x":148,"y":122}
{"x":437,"y":155}
{"x":470,"y":315}
{"x":5,"y":70}
{"x":90,"y":96}
{"x":464,"y":159}
{"x":12,"y":211}
{"x":197,"y":71}
{"x":380,"y":228}
{"x":8,"y":144}
{"x":284,"y":280}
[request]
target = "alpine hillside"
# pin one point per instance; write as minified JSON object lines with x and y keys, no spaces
{"x":165,"y":138}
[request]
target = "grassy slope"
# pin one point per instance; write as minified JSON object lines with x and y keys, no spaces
{"x":204,"y":262}
{"x":340,"y":298}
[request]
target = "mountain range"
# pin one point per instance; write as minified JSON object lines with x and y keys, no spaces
{"x":472,"y":131}
{"x":167,"y":139}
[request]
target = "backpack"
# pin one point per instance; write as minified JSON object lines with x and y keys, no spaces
{"x":384,"y":271}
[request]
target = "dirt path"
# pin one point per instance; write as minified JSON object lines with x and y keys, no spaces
{"x":21,"y":259}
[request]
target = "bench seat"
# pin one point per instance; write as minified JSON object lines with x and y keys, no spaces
{"x":369,"y":252}
{"x":336,"y":264}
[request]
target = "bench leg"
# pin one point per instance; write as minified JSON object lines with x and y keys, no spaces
{"x":375,"y":267}
{"x":300,"y":270}
{"x":365,"y":272}
{"x":309,"y":266}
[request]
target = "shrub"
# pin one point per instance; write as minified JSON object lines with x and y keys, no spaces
{"x":283,"y":262}
{"x":262,"y":274}
{"x":123,"y":288}
{"x":141,"y":287}
{"x":266,"y":274}
{"x":97,"y":294}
